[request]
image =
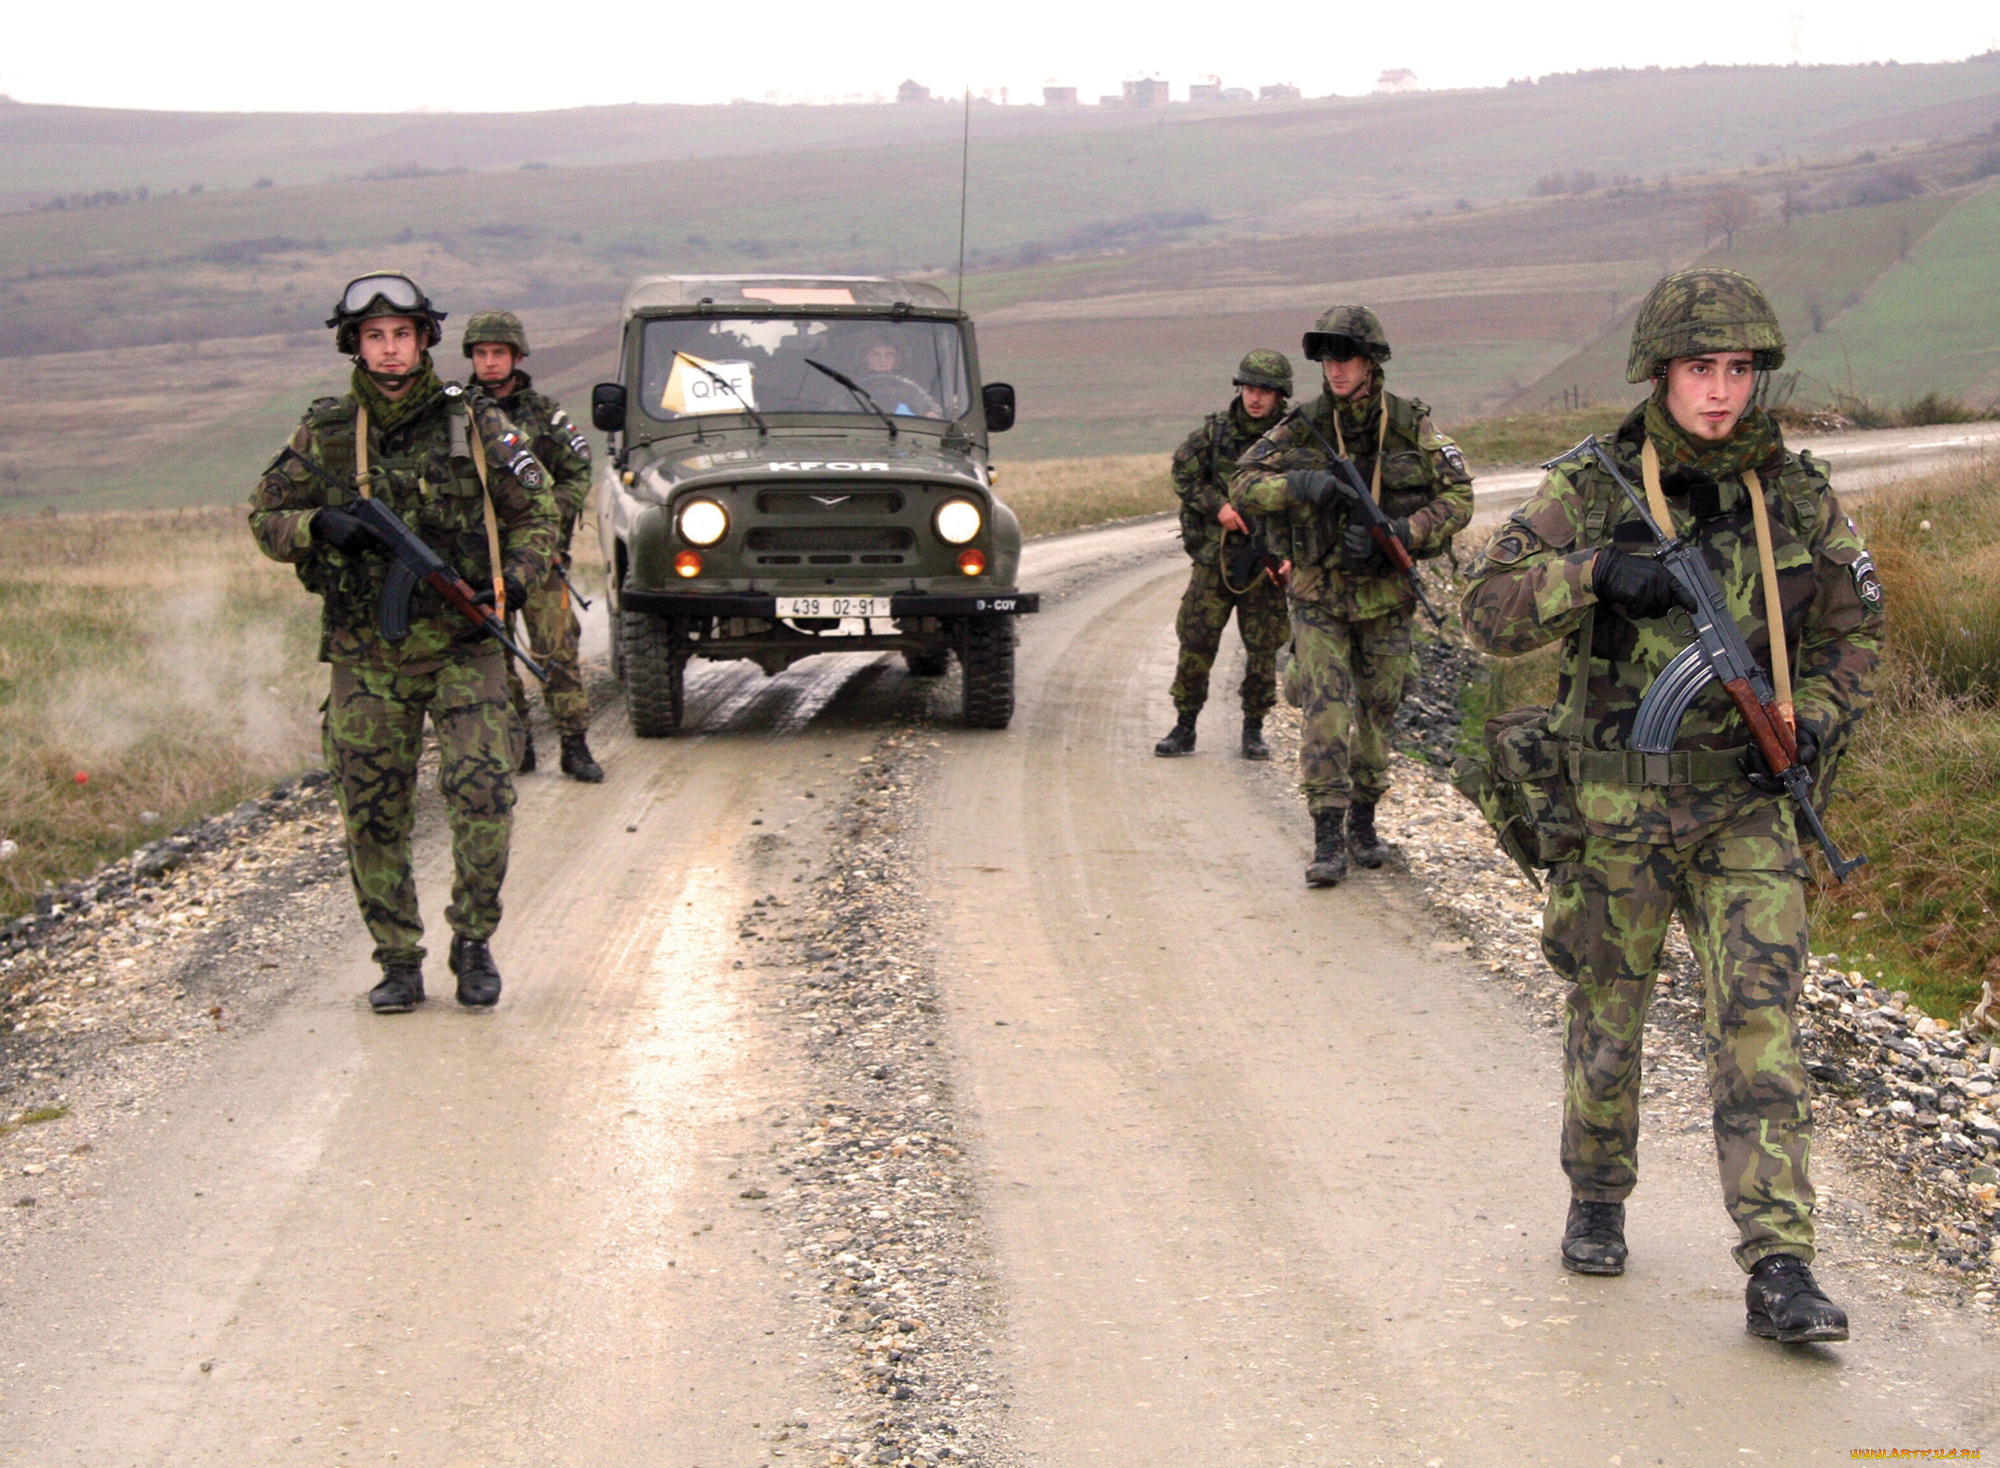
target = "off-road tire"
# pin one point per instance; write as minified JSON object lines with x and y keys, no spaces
{"x":929,"y":662}
{"x":987,"y":659}
{"x":655,"y":665}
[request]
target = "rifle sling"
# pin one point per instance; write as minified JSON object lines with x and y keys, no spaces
{"x":1774,"y":605}
{"x":492,"y":520}
{"x":1680,"y":767}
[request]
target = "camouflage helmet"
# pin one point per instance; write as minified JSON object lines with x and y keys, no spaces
{"x":503,"y":327}
{"x":1696,"y":312}
{"x":1265,"y":368}
{"x":1347,"y":331}
{"x":382,"y":293}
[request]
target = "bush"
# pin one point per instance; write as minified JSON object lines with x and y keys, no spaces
{"x":1935,"y":407}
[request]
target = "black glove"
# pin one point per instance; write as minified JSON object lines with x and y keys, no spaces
{"x":1638,"y":585}
{"x":1757,"y":769}
{"x":1357,"y":548}
{"x":342,"y":531}
{"x":1318,"y":486}
{"x":517,"y":594}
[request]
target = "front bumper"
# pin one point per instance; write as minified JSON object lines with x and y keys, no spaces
{"x":756,"y":604}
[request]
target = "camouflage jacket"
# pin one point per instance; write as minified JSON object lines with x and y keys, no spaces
{"x":1424,"y":478}
{"x":412,"y":469}
{"x":558,"y":443}
{"x":1201,"y":476}
{"x":1532,"y":585}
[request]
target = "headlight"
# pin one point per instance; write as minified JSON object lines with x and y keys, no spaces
{"x":957,"y":521}
{"x":703,"y":522}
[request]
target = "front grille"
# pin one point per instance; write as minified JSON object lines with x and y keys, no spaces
{"x":850,"y":539}
{"x":817,"y":504}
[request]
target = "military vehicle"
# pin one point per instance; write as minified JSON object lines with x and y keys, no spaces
{"x":798,"y":465}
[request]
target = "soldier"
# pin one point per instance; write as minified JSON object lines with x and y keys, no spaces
{"x":461,"y":476}
{"x":1213,"y":530}
{"x":496,"y":342}
{"x":1711,"y":839}
{"x":1350,"y":608}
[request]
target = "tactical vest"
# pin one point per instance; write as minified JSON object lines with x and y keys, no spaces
{"x":1406,"y":483}
{"x":423,"y":470}
{"x":1800,"y":487}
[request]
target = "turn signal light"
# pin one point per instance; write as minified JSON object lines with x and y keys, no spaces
{"x":972,"y":562}
{"x":688,"y":563}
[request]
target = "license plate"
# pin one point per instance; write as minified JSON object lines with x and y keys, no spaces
{"x":833,"y":606}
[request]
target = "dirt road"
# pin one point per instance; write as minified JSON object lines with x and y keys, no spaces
{"x":1257,"y":1175}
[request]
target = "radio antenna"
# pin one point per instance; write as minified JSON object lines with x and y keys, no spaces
{"x":964,"y":173}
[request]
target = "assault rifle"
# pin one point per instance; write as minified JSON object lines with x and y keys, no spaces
{"x":1363,"y":504}
{"x":1243,"y":556}
{"x":1718,"y":652}
{"x":411,"y":562}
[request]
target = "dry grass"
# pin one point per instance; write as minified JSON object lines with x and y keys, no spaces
{"x":1054,"y":495}
{"x":158,"y":656}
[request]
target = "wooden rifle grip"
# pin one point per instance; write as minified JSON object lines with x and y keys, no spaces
{"x":1768,"y":732}
{"x":1394,"y":549}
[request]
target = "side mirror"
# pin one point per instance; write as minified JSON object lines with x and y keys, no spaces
{"x":607,"y":407}
{"x":999,"y":400}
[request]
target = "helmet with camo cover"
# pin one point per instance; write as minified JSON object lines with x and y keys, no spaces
{"x":1265,"y":368}
{"x":503,"y":327}
{"x":1694,"y":313}
{"x":382,"y":293}
{"x":1343,"y":332}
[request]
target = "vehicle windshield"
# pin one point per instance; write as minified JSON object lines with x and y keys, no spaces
{"x":695,"y":365}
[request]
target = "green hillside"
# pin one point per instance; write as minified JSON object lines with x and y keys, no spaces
{"x":1932,"y":323}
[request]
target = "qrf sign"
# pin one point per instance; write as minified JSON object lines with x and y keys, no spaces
{"x":692,"y":387}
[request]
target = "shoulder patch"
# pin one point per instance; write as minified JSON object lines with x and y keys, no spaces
{"x":1453,"y":457}
{"x":1867,"y":584}
{"x":1513,"y":542}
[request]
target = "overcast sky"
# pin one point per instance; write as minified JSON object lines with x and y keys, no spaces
{"x":505,"y":55}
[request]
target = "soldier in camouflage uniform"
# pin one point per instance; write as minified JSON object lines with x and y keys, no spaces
{"x":1350,"y":608}
{"x":410,"y":441}
{"x":1711,"y":839}
{"x":496,"y":342}
{"x":1218,"y":538}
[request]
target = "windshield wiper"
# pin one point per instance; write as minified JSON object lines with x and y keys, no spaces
{"x":859,"y":392}
{"x":763,"y":430}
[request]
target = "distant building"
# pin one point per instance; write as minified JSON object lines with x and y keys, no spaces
{"x":909,"y":91}
{"x":1110,"y":101}
{"x":1204,"y":91}
{"x":1402,"y":79}
{"x":1146,"y":92}
{"x":1236,"y":94}
{"x":1283,"y":92}
{"x":1059,"y":96}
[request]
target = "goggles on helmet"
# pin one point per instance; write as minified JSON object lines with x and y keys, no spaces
{"x":398,"y":291}
{"x":1327,"y":346}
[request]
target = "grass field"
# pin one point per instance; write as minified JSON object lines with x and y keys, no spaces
{"x":153,"y":668}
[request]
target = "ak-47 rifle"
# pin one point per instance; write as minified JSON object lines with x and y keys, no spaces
{"x":1362,"y":503}
{"x":1718,"y":652}
{"x":1243,"y":556}
{"x":411,"y":562}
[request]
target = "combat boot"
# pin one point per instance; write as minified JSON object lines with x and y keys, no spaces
{"x":1785,"y":1304}
{"x":1254,"y":746}
{"x":576,"y":760}
{"x":1180,"y":738}
{"x":1594,"y":1238}
{"x":1329,"y":863}
{"x":1361,"y":838}
{"x":401,"y":989}
{"x":527,"y":764}
{"x":478,"y":979}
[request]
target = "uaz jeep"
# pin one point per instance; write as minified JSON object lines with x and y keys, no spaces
{"x":799,"y":465}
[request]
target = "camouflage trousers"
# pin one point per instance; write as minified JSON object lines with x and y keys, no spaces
{"x":1741,"y":897}
{"x":1350,"y":678}
{"x":553,"y":638}
{"x":373,"y":733}
{"x":1262,"y":623}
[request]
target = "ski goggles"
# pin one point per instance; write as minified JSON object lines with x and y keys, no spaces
{"x":397,"y":291}
{"x":1327,"y":346}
